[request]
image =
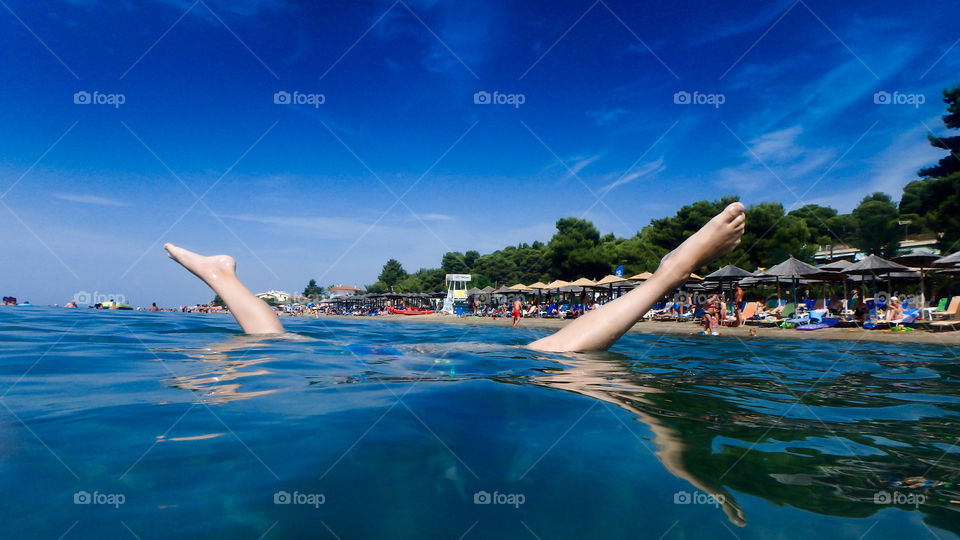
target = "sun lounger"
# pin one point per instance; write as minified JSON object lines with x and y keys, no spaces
{"x":952,"y":312}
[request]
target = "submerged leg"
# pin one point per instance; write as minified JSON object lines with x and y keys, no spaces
{"x":219,"y":273}
{"x":600,"y":328}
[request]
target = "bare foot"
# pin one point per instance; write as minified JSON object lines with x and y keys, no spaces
{"x":209,"y":269}
{"x":718,"y":237}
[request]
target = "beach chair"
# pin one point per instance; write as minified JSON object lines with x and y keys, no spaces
{"x":952,"y":312}
{"x":789,"y":310}
{"x":748,"y":311}
{"x":942,"y":306}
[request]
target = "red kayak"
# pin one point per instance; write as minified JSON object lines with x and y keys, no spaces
{"x":409,"y":311}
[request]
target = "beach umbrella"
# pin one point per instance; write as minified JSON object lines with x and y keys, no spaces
{"x":835,"y":266}
{"x":556,"y":284}
{"x":694,"y":277}
{"x":642,"y":276}
{"x":539,"y":287}
{"x":947,"y":262}
{"x":922,"y":261}
{"x":729,"y":274}
{"x":872,"y":265}
{"x":608,"y":281}
{"x":792,"y":269}
{"x":584,"y":284}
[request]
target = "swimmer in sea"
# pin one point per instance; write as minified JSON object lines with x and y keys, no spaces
{"x":596,"y":330}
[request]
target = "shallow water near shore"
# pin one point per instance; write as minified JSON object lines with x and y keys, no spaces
{"x":173,"y":425}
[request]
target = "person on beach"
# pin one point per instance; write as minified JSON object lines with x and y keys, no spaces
{"x":517,"y":306}
{"x":710,"y":314}
{"x":596,"y":330}
{"x":894,"y":312}
{"x":737,"y":300}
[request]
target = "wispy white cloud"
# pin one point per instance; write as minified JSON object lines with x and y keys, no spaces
{"x":580,"y":164}
{"x":606,"y":115}
{"x":776,"y":146}
{"x":892,"y":169}
{"x":777,"y":159}
{"x":645,"y":169}
{"x":758,"y":23}
{"x":89,"y":199}
{"x":435,"y":217}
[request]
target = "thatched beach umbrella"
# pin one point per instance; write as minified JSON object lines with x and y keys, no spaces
{"x":556,"y":284}
{"x":874,"y":266}
{"x":539,"y":287}
{"x":793,"y":269}
{"x":642,"y":276}
{"x":921,"y":261}
{"x":949,"y":261}
{"x":608,"y":281}
{"x":728,"y":274}
{"x":835,"y":266}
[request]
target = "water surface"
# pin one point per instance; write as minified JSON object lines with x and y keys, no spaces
{"x":175,"y":425}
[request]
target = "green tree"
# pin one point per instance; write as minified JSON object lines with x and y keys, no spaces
{"x":312,"y":290}
{"x":377,"y":288}
{"x":392,"y":273}
{"x":270,"y":300}
{"x":574,"y":252}
{"x":937,"y":196}
{"x":817,"y":219}
{"x":217,"y":301}
{"x":877,"y":230}
{"x":843,"y":228}
{"x":453,"y":262}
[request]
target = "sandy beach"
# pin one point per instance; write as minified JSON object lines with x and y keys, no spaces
{"x":949,"y":338}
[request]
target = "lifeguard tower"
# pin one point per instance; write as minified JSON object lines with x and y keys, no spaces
{"x":456,"y":292}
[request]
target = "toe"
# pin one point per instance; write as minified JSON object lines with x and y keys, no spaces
{"x":733,"y":211}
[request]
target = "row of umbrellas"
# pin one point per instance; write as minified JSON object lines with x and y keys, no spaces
{"x":872,"y":265}
{"x":610,"y":281}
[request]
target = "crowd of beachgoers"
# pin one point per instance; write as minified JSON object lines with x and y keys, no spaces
{"x":712,"y":311}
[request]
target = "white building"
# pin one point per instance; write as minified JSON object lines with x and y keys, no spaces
{"x":279,"y":296}
{"x":339,"y":291}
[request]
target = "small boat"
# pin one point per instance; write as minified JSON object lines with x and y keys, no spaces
{"x":24,"y":304}
{"x":409,"y":311}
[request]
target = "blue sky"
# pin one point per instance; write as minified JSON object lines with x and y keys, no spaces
{"x":399,"y":161}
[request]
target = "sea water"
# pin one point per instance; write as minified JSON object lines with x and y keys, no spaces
{"x":136,"y":424}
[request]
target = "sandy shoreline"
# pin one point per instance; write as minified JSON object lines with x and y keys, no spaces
{"x":948,"y":338}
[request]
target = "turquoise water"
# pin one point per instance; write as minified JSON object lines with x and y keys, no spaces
{"x":175,"y":425}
